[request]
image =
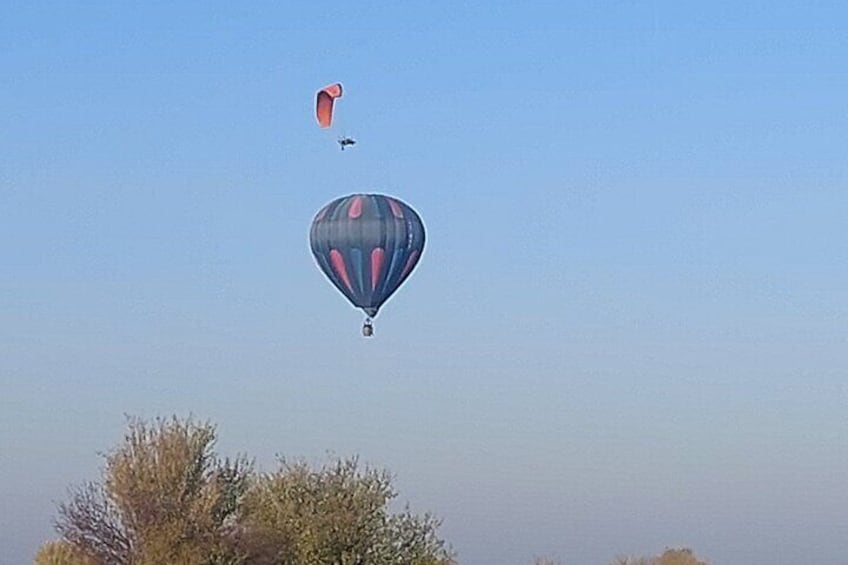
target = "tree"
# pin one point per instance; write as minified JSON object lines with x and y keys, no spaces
{"x":335,"y":515}
{"x":62,"y":553}
{"x":165,"y":497}
{"x":634,"y":561}
{"x":683,"y":556}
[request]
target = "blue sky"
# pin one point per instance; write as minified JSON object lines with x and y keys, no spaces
{"x":628,"y":328}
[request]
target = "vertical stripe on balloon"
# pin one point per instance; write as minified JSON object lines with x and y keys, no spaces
{"x":337,"y":261}
{"x":413,"y":257}
{"x":322,"y":213}
{"x":377,"y":257}
{"x":356,"y":264}
{"x":393,"y":266}
{"x":355,"y":208}
{"x":396,"y":209}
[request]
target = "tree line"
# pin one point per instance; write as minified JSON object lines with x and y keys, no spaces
{"x":166,"y":497}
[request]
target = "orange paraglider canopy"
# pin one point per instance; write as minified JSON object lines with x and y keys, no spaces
{"x":324,"y":103}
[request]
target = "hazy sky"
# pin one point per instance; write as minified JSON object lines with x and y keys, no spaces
{"x":629,"y":328}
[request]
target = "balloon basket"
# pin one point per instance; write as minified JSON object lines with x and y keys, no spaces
{"x":367,"y":328}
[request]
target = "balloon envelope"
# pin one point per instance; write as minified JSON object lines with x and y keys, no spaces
{"x":367,"y":245}
{"x":324,"y":103}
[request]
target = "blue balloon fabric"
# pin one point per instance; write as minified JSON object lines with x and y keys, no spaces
{"x":367,"y":245}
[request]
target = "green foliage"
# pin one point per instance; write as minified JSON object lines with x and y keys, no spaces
{"x":173,"y":492}
{"x":683,"y":556}
{"x":62,"y":553}
{"x":634,"y":561}
{"x":166,"y":498}
{"x":336,"y":515}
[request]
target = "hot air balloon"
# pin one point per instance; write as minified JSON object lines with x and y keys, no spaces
{"x":367,"y":245}
{"x":324,"y":103}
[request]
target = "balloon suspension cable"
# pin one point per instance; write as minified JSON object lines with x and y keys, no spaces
{"x":367,"y":327}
